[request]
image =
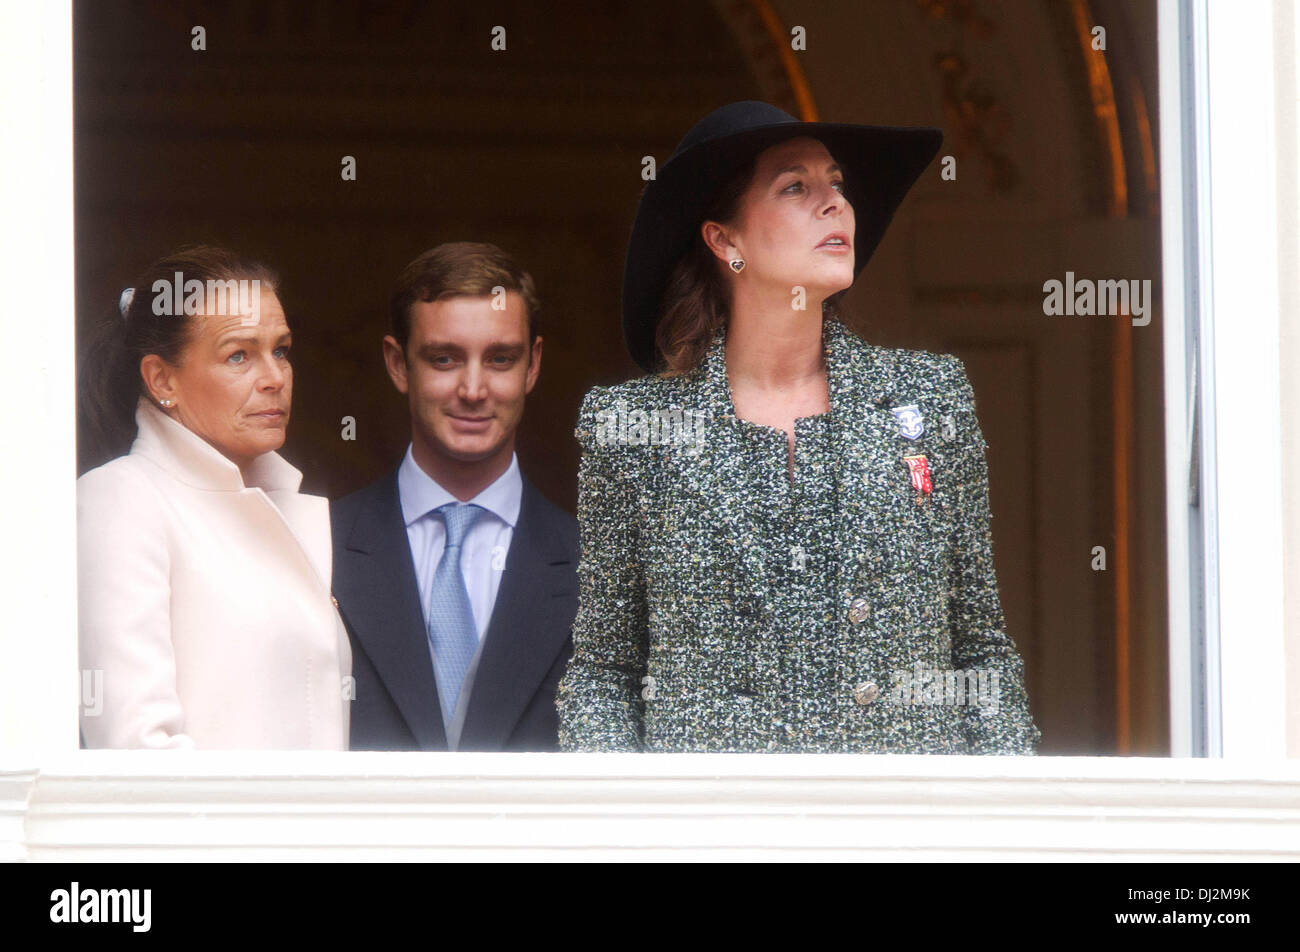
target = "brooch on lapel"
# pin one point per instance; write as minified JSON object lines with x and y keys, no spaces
{"x":910,"y":422}
{"x":920,"y":472}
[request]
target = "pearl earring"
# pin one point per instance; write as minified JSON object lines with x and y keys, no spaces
{"x":168,"y":403}
{"x":737,"y":264}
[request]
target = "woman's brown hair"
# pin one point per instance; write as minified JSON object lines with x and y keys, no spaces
{"x":109,"y":383}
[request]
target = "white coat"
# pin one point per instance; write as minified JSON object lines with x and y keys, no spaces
{"x":205,"y":613}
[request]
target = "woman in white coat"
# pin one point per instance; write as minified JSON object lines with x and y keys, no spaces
{"x":204,"y":607}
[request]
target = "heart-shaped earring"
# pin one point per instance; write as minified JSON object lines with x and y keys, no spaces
{"x":737,"y":264}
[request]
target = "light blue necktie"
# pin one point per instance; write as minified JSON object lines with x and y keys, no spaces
{"x":453,"y":636}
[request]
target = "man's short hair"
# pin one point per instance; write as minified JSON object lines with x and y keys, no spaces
{"x":457,"y":268}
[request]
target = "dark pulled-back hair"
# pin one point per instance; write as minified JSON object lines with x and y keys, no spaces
{"x":109,"y":382}
{"x":471,"y":268}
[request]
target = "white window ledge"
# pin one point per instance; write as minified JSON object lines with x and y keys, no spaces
{"x":165,"y":806}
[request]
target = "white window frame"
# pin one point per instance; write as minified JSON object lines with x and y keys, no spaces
{"x":1226,"y":644}
{"x":1223,"y":431}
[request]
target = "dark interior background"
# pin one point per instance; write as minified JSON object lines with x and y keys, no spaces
{"x":539,"y":148}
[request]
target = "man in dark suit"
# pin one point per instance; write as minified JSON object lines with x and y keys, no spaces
{"x":456,"y":578}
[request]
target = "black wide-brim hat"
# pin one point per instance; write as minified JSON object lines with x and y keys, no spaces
{"x":880,"y":164}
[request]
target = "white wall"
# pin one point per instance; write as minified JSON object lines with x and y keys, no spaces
{"x":38,"y":568}
{"x":1287,"y":60}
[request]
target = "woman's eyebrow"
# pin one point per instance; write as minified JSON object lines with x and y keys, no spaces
{"x":248,"y":339}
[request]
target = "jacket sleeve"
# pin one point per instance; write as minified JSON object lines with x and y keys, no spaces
{"x":128,"y":667}
{"x":599,"y":698}
{"x":979,"y":634}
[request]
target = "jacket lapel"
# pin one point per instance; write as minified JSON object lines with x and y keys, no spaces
{"x":527,"y":631}
{"x":713,"y":478}
{"x":881,"y":530}
{"x":379,"y":578}
{"x":308,"y":519}
{"x":860,"y":380}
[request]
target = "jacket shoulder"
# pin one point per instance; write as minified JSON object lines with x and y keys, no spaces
{"x":345,"y":510}
{"x":553,"y":521}
{"x":650,"y":391}
{"x":923,"y":371}
{"x":126,"y":500}
{"x":124,"y":480}
{"x":648,"y":394}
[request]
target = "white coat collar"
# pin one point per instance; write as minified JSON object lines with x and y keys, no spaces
{"x":193,"y":461}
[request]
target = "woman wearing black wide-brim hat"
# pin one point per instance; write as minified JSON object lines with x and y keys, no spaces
{"x":785,"y":530}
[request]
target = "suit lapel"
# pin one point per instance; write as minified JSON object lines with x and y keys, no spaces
{"x":526,"y":632}
{"x":379,"y":579}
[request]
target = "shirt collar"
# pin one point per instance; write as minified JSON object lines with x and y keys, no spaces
{"x":420,"y":494}
{"x":196,"y":462}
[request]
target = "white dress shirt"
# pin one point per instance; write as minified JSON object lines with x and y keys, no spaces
{"x":483,"y":552}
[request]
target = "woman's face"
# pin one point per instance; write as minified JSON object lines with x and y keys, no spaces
{"x":794,"y":227}
{"x":233,"y":385}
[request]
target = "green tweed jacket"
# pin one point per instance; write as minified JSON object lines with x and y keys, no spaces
{"x":690,"y":634}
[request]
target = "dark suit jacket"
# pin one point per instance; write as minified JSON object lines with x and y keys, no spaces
{"x":525,"y":650}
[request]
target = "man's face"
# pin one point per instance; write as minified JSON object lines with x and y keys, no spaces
{"x":466,"y":371}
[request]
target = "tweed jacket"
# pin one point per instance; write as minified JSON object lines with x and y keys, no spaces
{"x":683,"y":639}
